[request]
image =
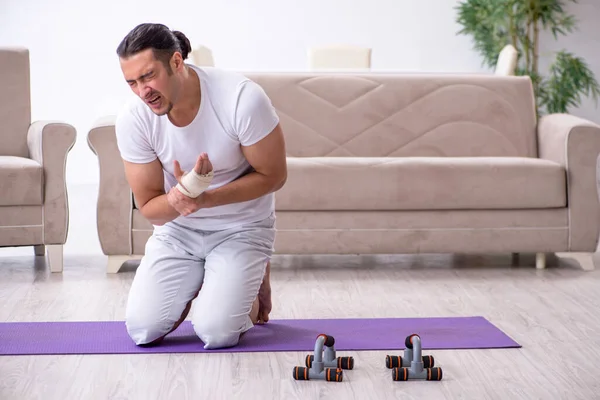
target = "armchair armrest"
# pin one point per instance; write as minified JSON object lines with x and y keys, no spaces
{"x":49,"y":143}
{"x":574,"y":143}
{"x":115,"y":200}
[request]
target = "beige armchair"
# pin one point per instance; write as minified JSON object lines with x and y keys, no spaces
{"x":33,"y":196}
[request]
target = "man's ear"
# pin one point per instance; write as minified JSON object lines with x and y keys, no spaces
{"x":176,"y":61}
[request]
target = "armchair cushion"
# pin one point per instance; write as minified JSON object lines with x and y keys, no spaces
{"x":21,"y":181}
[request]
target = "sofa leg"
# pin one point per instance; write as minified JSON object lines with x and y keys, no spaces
{"x":116,"y":262}
{"x":585,"y":260}
{"x":40,"y":250}
{"x":540,"y":260}
{"x":55,"y":257}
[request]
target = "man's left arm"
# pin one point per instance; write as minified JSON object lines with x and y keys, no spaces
{"x":267,"y":157}
{"x":262,"y":145}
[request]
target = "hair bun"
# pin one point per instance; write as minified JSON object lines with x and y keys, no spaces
{"x":184,"y":42}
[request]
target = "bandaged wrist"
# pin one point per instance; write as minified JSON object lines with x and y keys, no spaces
{"x":194,"y":183}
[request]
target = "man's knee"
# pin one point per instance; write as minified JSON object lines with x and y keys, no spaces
{"x":161,"y":294}
{"x":144,"y":330}
{"x":220,"y":331}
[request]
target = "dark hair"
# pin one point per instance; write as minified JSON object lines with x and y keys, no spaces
{"x":157,"y":37}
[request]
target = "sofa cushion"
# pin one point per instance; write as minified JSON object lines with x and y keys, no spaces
{"x":21,"y":181}
{"x":422,"y":183}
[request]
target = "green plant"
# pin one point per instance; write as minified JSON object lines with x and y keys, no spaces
{"x":495,"y":23}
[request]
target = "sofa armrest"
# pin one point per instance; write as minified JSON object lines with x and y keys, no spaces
{"x":574,"y":143}
{"x":115,"y":204}
{"x":49,"y":143}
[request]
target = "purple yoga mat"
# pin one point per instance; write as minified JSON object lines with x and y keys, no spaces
{"x":110,"y":337}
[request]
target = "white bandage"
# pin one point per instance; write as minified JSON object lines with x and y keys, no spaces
{"x":195,"y":183}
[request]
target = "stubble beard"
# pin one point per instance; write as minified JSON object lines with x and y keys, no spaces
{"x":168,"y":110}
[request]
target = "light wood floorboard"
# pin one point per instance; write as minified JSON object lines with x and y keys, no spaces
{"x":552,"y":313}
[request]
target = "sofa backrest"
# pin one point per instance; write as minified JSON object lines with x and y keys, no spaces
{"x":15,"y":102}
{"x":387,"y":114}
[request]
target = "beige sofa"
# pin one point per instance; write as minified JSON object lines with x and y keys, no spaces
{"x":34,"y":208}
{"x":397,"y":163}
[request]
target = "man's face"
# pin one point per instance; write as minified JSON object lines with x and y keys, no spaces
{"x":150,"y":80}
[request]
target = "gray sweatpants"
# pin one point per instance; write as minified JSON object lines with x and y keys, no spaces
{"x":227,"y":267}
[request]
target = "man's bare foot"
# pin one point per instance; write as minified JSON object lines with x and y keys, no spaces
{"x":254,"y":312}
{"x":264,"y":297}
{"x":259,"y":314}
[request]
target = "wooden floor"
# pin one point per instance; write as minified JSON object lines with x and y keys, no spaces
{"x":554,"y":314}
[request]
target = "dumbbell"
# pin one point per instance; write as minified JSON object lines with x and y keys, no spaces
{"x":393,"y":361}
{"x":416,"y":370}
{"x":317,"y":367}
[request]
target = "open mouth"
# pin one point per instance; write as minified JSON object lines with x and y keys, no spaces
{"x":154,"y":100}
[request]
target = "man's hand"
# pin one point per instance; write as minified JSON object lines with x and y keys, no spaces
{"x":183,"y":204}
{"x":203,"y":166}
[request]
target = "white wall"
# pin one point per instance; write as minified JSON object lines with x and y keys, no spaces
{"x":75,"y":74}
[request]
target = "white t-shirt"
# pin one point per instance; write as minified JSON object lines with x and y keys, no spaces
{"x":234,"y":111}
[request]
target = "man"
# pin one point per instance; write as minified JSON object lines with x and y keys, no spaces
{"x":215,"y":248}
